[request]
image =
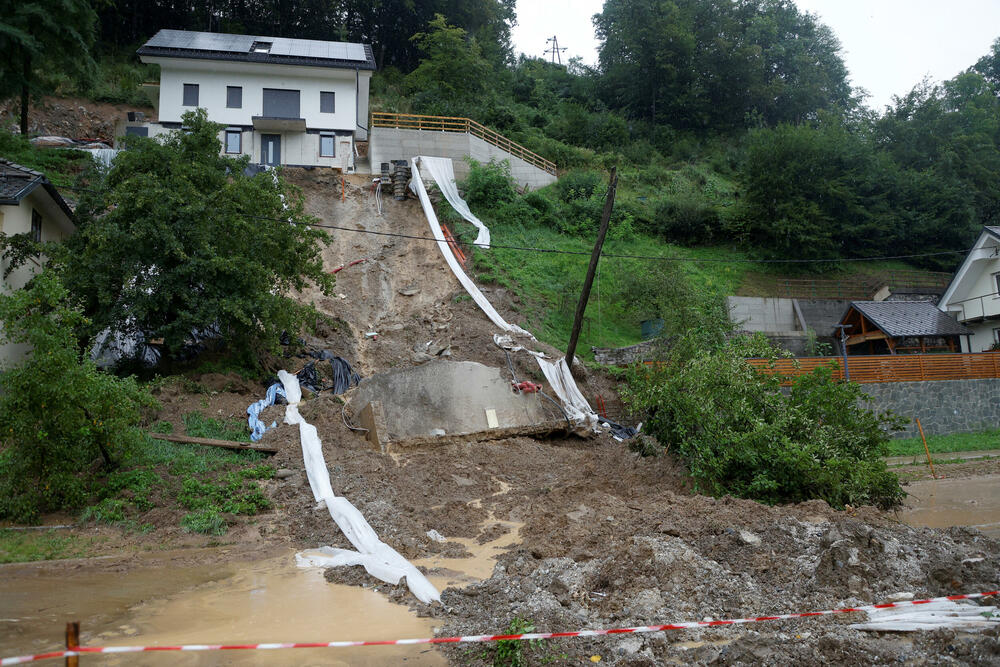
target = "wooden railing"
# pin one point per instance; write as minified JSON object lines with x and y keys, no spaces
{"x":405,"y":121}
{"x":892,"y":368}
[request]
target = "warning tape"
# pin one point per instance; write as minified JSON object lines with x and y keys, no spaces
{"x":83,"y":650}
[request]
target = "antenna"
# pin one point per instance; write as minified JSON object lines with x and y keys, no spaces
{"x":555,"y":50}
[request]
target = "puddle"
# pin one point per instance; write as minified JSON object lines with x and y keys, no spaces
{"x":460,"y":572}
{"x":940,"y":503}
{"x":267,"y":601}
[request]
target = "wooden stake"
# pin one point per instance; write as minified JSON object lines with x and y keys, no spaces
{"x":609,"y":203}
{"x":72,"y":642}
{"x":343,"y":193}
{"x":211,"y":442}
{"x":926,"y":448}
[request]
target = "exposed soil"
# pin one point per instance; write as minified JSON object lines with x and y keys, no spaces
{"x":67,"y":117}
{"x":606,"y":538}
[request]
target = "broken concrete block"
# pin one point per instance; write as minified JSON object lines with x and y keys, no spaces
{"x":373,"y":418}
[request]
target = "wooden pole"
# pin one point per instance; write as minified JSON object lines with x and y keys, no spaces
{"x":72,"y":642}
{"x":926,"y":448}
{"x":609,"y":203}
{"x":212,"y":442}
{"x":342,"y":190}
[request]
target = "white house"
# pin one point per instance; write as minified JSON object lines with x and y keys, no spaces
{"x":282,"y":101}
{"x":29,"y":204}
{"x":973,"y":295}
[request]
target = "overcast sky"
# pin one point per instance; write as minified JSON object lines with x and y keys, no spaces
{"x":889,"y":45}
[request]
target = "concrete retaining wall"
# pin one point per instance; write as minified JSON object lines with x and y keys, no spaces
{"x":389,"y":143}
{"x":752,"y":313}
{"x":946,"y":406}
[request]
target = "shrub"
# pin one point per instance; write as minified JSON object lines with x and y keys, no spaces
{"x":61,"y":419}
{"x":739,"y":434}
{"x":488,"y":185}
{"x":686,"y":219}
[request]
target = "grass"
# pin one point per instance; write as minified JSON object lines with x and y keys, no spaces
{"x":22,"y":546}
{"x":955,"y":442}
{"x":61,"y":166}
{"x":200,"y":426}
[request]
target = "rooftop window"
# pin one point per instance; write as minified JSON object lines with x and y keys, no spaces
{"x":261,"y":47}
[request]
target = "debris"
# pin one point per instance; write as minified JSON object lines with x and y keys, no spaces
{"x":257,"y":427}
{"x":211,"y":442}
{"x":372,"y":334}
{"x":284,"y":473}
{"x":436,"y":536}
{"x":438,"y":432}
{"x":409,"y":291}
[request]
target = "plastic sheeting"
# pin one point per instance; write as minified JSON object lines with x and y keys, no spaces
{"x":418,"y":185}
{"x":378,"y":558}
{"x":931,"y":616}
{"x":257,"y":427}
{"x":443,"y":173}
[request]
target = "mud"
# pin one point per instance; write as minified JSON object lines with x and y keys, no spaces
{"x":939,"y":503}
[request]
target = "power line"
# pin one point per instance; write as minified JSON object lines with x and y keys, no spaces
{"x":557,"y":251}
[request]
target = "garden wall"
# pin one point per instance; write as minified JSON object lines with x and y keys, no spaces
{"x":943,"y":406}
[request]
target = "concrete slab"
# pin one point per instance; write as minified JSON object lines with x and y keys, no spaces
{"x":441,"y":400}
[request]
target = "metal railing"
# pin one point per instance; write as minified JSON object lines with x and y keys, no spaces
{"x":891,"y":368}
{"x":971,"y":312}
{"x":405,"y":121}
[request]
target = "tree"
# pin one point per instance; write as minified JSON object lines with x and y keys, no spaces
{"x":183,"y":242}
{"x":453,"y":77}
{"x":38,"y":35}
{"x":58,"y":413}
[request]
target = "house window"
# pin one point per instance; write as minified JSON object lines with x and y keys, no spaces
{"x":326,"y":102}
{"x":190,"y":94}
{"x":279,"y":103}
{"x":326,"y":145}
{"x":234,"y":97}
{"x":234,"y":141}
{"x":36,"y":226}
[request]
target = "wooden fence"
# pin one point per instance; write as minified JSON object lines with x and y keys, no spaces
{"x":858,"y":287}
{"x":405,"y":121}
{"x":892,"y":368}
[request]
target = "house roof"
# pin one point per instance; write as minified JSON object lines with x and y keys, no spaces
{"x":258,"y":49}
{"x":899,"y":319}
{"x":17,"y":182}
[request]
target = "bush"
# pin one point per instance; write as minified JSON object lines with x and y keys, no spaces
{"x":488,"y":185}
{"x":686,"y":219}
{"x":739,"y":434}
{"x":61,"y":419}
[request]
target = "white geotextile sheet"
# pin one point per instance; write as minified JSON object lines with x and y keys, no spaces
{"x":377,"y":557}
{"x":442,"y":171}
{"x":931,"y":616}
{"x":418,"y":185}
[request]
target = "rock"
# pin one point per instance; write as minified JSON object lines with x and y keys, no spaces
{"x":409,"y":291}
{"x":421,"y":357}
{"x":436,"y":536}
{"x":463,"y":481}
{"x":749,"y":537}
{"x":284,"y":473}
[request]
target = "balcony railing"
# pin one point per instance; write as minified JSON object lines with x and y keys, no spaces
{"x":405,"y":121}
{"x":977,"y":307}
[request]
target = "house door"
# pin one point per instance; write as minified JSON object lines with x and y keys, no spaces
{"x":270,"y":149}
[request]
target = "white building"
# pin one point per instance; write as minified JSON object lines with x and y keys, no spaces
{"x":973,"y":296}
{"x":29,"y":204}
{"x":293,"y":102}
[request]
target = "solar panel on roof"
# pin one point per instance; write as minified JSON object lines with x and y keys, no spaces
{"x":292,"y":48}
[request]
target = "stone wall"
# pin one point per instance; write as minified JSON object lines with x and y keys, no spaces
{"x":647,"y":350}
{"x":389,"y":143}
{"x":945,"y":406}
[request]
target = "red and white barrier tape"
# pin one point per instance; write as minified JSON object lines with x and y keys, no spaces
{"x":83,"y":650}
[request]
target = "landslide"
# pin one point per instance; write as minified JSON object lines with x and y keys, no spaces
{"x":606,"y":538}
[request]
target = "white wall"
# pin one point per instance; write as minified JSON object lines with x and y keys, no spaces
{"x":17,"y":220}
{"x":214,"y":76}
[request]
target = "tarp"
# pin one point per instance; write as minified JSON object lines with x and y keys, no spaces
{"x":443,"y":173}
{"x":418,"y":186}
{"x":378,"y":558}
{"x":257,"y":427}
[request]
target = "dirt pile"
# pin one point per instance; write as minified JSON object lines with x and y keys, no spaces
{"x":75,"y":118}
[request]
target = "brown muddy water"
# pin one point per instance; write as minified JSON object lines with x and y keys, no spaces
{"x":939,"y":503}
{"x":270,"y":600}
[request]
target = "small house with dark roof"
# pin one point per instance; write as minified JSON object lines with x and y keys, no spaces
{"x":973,"y":295}
{"x":282,"y":101}
{"x":29,"y":204}
{"x":899,"y":327}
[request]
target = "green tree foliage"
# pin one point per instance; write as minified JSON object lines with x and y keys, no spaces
{"x":37,"y":35}
{"x":739,"y":435}
{"x":712,"y":65}
{"x":61,"y":419}
{"x":180,"y":240}
{"x":453,"y":77}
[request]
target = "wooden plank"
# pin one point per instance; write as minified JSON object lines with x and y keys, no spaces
{"x":863,"y":337}
{"x":211,"y":442}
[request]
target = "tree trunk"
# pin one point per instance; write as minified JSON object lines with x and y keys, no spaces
{"x":26,"y":76}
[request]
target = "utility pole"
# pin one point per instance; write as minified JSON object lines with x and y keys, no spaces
{"x":609,"y":204}
{"x":554,"y":49}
